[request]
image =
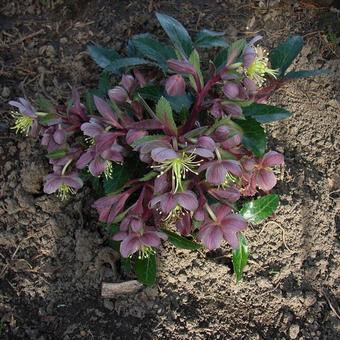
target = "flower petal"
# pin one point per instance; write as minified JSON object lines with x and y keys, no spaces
{"x":150,"y":238}
{"x":52,"y":185}
{"x":187,"y":200}
{"x":130,"y":245}
{"x":162,"y":154}
{"x":216,"y":173}
{"x":233,"y":167}
{"x":97,"y":166}
{"x":265,"y":179}
{"x":272,"y":158}
{"x":211,"y":236}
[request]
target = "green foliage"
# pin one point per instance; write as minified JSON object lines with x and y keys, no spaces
{"x":207,"y":39}
{"x":254,"y":136}
{"x":145,"y":269}
{"x":306,"y":73}
{"x":240,"y":257}
{"x":259,"y":209}
{"x":181,"y":242}
{"x":177,"y":33}
{"x":284,"y":54}
{"x":265,"y":113}
{"x":164,"y":113}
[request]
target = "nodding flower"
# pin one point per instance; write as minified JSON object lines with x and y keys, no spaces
{"x":179,"y":163}
{"x":27,"y":120}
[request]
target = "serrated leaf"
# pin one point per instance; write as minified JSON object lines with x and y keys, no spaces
{"x":254,"y":136}
{"x":284,"y":54}
{"x":119,"y":66}
{"x":206,"y":39}
{"x":102,"y":56}
{"x":265,"y":113}
{"x":151,"y":92}
{"x":240,"y":257}
{"x":56,"y":154}
{"x":164,"y":113}
{"x":149,"y":47}
{"x":181,"y":242}
{"x":259,"y":209}
{"x":176,"y":32}
{"x":146,"y":269}
{"x":306,"y":73}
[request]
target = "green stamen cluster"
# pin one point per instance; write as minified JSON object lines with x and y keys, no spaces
{"x":108,"y":173}
{"x":259,"y":68}
{"x":145,"y":252}
{"x":65,"y":191}
{"x":22,"y":123}
{"x":179,"y":167}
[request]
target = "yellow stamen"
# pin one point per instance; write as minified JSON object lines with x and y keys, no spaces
{"x":179,"y":167}
{"x":65,"y":191}
{"x":145,"y":252}
{"x":22,"y":123}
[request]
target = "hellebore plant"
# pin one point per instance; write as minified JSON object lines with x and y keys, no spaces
{"x":176,"y":149}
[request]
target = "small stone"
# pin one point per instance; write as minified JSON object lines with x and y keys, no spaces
{"x":108,"y":304}
{"x":63,"y":40}
{"x":5,"y":92}
{"x":294,"y":330}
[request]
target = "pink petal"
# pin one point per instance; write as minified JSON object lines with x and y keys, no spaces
{"x":216,"y":173}
{"x":211,"y":236}
{"x":221,"y":211}
{"x":130,"y":245}
{"x":163,"y":154}
{"x":52,"y":185}
{"x":187,"y":200}
{"x":105,"y":110}
{"x":265,"y":179}
{"x":97,"y":166}
{"x":231,"y":237}
{"x":120,"y":236}
{"x":73,"y":181}
{"x":150,"y":238}
{"x":233,"y":167}
{"x":272,"y":158}
{"x":168,"y":203}
{"x":85,"y":159}
{"x":230,"y":194}
{"x":233,"y":222}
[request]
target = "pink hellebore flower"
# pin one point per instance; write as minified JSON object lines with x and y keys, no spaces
{"x":135,"y":241}
{"x":258,"y":171}
{"x":218,"y":170}
{"x":110,"y":206}
{"x":224,"y":227}
{"x":175,"y":85}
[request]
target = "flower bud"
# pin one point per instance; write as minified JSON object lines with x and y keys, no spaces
{"x":231,"y":90}
{"x":249,"y":85}
{"x":233,"y":110}
{"x":118,"y":94}
{"x":181,"y":66}
{"x":59,"y":136}
{"x":175,"y":85}
{"x":249,"y":56}
{"x":221,"y":133}
{"x":128,"y":82}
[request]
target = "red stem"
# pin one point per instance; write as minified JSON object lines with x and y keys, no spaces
{"x":198,"y":103}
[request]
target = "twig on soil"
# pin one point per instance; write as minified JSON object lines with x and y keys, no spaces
{"x":331,"y":302}
{"x":283,"y":234}
{"x":269,"y":291}
{"x":110,"y":290}
{"x":32,"y":35}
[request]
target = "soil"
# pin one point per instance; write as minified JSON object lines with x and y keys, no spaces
{"x":54,"y":255}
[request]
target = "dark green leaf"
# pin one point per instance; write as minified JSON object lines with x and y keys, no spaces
{"x":102,"y":56}
{"x":178,"y":103}
{"x":240,"y":257}
{"x":56,"y":154}
{"x":120,"y":175}
{"x":229,"y":54}
{"x":306,"y":73}
{"x":176,"y":32}
{"x":181,"y":242}
{"x":254,"y":136}
{"x":150,"y":47}
{"x":125,"y":263}
{"x":146,"y":269}
{"x":119,"y":66}
{"x":259,"y":209}
{"x":206,"y":38}
{"x":265,"y":113}
{"x":45,"y":105}
{"x":151,"y":92}
{"x":148,"y":176}
{"x":283,"y":55}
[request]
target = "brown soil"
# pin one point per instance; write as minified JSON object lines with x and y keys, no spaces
{"x":54,"y":255}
